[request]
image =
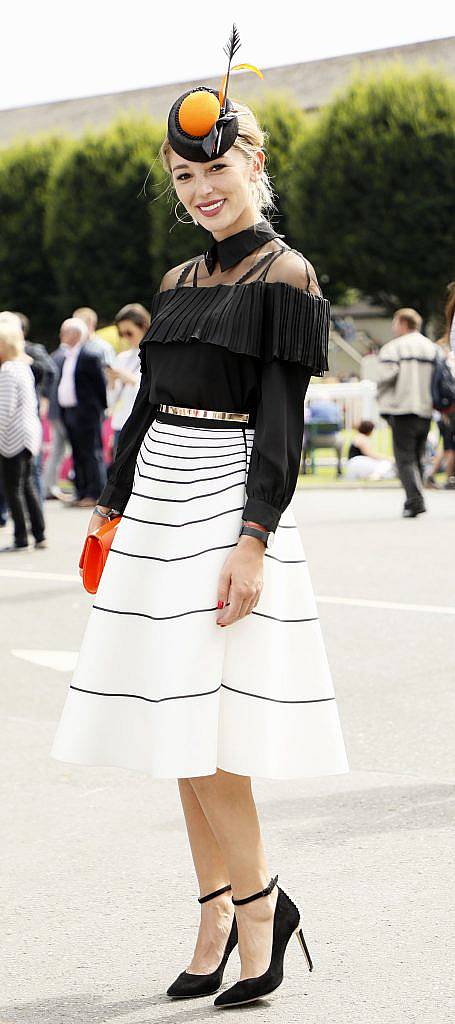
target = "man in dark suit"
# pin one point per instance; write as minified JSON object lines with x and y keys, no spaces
{"x":82,"y":400}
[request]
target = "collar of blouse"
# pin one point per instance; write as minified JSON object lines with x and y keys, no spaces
{"x":234,"y":248}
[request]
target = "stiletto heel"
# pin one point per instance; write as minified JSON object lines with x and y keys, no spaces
{"x":191,"y":986}
{"x":286,"y":920}
{"x":302,"y":943}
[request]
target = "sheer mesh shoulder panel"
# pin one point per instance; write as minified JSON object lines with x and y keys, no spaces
{"x":287,"y":248}
{"x":185,"y":272}
{"x":274,"y":320}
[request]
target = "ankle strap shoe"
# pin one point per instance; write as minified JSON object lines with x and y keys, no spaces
{"x":286,"y":921}
{"x":257,"y":895}
{"x":192,"y":986}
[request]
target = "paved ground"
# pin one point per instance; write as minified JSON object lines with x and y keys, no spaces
{"x":100,"y":906}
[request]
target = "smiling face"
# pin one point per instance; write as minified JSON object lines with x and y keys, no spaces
{"x":218,"y":194}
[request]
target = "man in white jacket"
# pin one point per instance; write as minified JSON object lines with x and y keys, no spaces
{"x":404,"y":390}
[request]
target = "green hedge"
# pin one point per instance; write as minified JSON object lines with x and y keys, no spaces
{"x":374,"y":189}
{"x":26,"y":279}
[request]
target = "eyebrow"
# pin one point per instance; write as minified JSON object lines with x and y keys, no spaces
{"x":179,"y":166}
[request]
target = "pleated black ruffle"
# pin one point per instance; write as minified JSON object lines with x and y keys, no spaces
{"x":269,"y":320}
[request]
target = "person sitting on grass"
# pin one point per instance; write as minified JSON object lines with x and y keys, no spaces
{"x":363,"y":463}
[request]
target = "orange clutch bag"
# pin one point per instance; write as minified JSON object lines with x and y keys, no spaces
{"x":94,"y":553}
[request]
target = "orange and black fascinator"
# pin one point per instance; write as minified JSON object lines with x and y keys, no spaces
{"x":202,"y":123}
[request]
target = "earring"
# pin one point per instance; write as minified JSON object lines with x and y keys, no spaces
{"x":180,"y":218}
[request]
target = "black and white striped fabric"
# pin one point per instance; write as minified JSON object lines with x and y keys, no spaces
{"x":158,"y":686}
{"x":20,"y":425}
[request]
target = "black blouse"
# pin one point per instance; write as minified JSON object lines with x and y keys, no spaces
{"x":233,"y":347}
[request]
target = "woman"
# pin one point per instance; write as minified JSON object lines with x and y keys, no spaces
{"x":364,"y":463}
{"x":215,"y":689}
{"x":125,"y":375}
{"x":20,"y":434}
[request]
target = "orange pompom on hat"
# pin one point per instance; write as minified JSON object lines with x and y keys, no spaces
{"x":202,"y":123}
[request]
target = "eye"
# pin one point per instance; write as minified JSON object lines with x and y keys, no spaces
{"x":181,"y":177}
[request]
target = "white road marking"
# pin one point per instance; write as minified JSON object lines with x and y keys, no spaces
{"x":61,"y":661}
{"x":360,"y":602}
{"x":24,"y":574}
{"x":356,"y":602}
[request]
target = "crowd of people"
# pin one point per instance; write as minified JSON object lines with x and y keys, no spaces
{"x":75,"y":388}
{"x":84,"y":380}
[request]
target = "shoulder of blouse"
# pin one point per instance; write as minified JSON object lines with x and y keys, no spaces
{"x":267,"y":319}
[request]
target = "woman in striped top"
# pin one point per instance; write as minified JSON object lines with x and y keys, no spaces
{"x":20,"y":434}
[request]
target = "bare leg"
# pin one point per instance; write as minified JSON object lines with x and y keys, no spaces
{"x":450,"y":463}
{"x":212,"y":873}
{"x":228,"y":805}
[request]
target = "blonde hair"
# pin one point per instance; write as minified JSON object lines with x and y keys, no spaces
{"x":11,"y":336}
{"x":86,"y":313}
{"x":250,"y":138}
{"x":410,"y":316}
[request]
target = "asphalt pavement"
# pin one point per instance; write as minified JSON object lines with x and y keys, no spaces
{"x":99,"y":898}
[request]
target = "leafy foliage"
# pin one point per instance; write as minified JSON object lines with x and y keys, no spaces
{"x":26,"y":281}
{"x":373,"y":192}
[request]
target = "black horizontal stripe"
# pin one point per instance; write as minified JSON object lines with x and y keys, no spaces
{"x":170,"y":444}
{"x":276,"y":619}
{"x":189,"y":483}
{"x":191,"y":522}
{"x":190,"y":469}
{"x":139,"y":696}
{"x":203,"y":693}
{"x":193,"y":611}
{"x":277,"y":700}
{"x":407,"y":359}
{"x":216,"y":455}
{"x":179,"y":558}
{"x":155,"y":618}
{"x":286,"y":561}
{"x":205,"y":551}
{"x":280,"y":527}
{"x":193,"y":497}
{"x":218,"y":433}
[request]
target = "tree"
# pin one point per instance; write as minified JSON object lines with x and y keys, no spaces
{"x":27,"y":283}
{"x":284,"y":124}
{"x":373,"y":190}
{"x":98,"y":224}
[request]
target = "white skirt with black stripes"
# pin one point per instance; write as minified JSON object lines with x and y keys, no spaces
{"x":158,"y":686}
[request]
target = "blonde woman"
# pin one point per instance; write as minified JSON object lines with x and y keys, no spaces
{"x":209,"y":661}
{"x":125,"y":374}
{"x":20,"y":434}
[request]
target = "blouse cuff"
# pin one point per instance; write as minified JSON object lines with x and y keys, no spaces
{"x":258,"y":511}
{"x":112,"y":497}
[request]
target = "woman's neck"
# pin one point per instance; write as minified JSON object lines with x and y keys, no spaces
{"x":247,"y":219}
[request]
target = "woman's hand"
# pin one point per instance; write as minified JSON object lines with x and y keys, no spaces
{"x":241,"y":580}
{"x":94,"y":524}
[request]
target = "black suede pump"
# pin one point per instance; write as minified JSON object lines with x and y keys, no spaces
{"x":190,"y":986}
{"x":286,"y":921}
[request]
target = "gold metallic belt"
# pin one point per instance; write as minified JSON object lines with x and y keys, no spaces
{"x":206,"y":414}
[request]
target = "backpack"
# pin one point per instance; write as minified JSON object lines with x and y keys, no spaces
{"x":442,"y":386}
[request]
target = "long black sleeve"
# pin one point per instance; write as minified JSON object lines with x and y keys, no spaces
{"x":118,"y":487}
{"x":277,"y":446}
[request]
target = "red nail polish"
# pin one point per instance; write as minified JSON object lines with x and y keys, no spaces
{"x":220,"y":604}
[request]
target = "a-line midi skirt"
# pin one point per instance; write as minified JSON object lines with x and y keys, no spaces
{"x":158,"y":686}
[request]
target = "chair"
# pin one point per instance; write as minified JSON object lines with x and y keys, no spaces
{"x":321,"y":435}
